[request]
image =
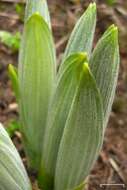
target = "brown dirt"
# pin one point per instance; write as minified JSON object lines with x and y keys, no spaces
{"x":111,"y":166}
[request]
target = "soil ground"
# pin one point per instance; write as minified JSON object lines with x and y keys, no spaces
{"x":111,"y":166}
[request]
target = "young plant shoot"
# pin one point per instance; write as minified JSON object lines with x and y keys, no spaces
{"x":63,"y":115}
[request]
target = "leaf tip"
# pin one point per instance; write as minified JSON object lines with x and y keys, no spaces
{"x":114,"y":33}
{"x":10,"y":68}
{"x":111,"y":34}
{"x":93,"y":5}
{"x":86,"y":68}
{"x":83,"y":56}
{"x":37,"y":14}
{"x":91,"y":10}
{"x":113,"y":29}
{"x":34,"y":17}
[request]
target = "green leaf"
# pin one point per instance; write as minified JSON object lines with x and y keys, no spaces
{"x":58,"y":112}
{"x":81,"y":38}
{"x":12,"y":127}
{"x":19,"y":8}
{"x":104,"y":65}
{"x":40,"y":6}
{"x":82,"y":186}
{"x":111,"y":2}
{"x":12,"y":172}
{"x":82,"y":136}
{"x":36,"y":80}
{"x":13,"y":74}
{"x":11,"y":40}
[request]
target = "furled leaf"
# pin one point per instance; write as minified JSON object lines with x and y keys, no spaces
{"x":36,"y":80}
{"x":13,"y":74}
{"x":58,"y":113}
{"x":81,"y":38}
{"x":40,"y":6}
{"x":12,"y":172}
{"x":82,"y":136}
{"x":104,"y":65}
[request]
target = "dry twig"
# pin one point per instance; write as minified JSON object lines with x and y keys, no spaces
{"x":117,"y":169}
{"x":61,"y":41}
{"x":9,"y":16}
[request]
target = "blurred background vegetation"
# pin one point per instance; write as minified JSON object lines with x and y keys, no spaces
{"x":111,"y":167}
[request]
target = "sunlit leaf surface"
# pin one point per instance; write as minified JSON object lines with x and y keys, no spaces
{"x":36,"y":80}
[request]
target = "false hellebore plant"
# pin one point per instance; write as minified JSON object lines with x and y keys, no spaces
{"x":63,"y":114}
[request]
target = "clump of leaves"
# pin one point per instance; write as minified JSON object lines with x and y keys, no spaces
{"x":64,"y":114}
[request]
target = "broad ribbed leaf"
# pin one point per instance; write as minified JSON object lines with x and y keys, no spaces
{"x":12,"y":172}
{"x":36,"y":80}
{"x":40,"y":6}
{"x":81,"y":38}
{"x":104,"y":65}
{"x":14,"y":79}
{"x":82,"y":136}
{"x":58,"y":113}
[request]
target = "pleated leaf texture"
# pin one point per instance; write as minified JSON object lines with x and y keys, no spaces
{"x":104,"y":64}
{"x":81,"y":39}
{"x":12,"y":172}
{"x":82,"y":135}
{"x":57,"y":116}
{"x":71,"y":85}
{"x":36,"y":79}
